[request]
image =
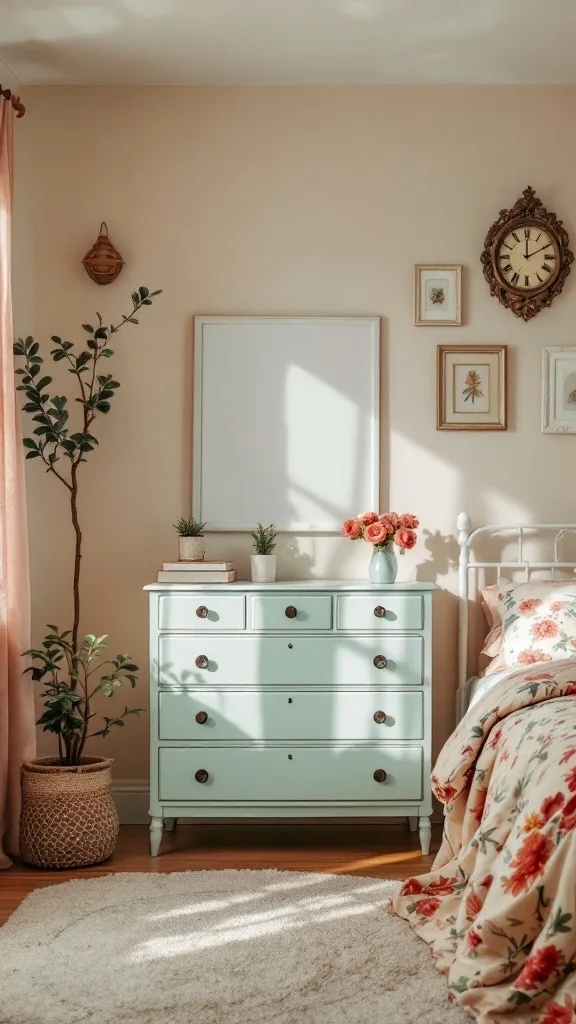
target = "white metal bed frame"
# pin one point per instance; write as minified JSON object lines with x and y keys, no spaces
{"x":468,"y":566}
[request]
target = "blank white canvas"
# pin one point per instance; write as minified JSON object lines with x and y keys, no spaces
{"x":286,"y":421}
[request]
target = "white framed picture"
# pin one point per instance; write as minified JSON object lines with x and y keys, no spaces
{"x":286,"y":421}
{"x":438,"y":295}
{"x":559,"y":390}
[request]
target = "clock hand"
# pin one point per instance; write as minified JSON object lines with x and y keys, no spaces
{"x":528,"y":255}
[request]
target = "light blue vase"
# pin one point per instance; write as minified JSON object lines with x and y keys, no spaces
{"x":383,"y":565}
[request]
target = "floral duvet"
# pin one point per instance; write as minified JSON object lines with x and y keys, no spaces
{"x":498,"y":908}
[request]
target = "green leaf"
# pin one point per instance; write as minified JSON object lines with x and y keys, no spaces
{"x":57,"y":354}
{"x":144,"y":292}
{"x":33,"y":455}
{"x":88,"y":328}
{"x":103,"y":406}
{"x":29,"y":443}
{"x":107,"y":352}
{"x":44,"y":383}
{"x":135,"y":298}
{"x":92,"y":344}
{"x":102,"y":332}
{"x":56,"y":339}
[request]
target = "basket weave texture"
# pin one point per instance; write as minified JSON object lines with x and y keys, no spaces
{"x":68,"y":817}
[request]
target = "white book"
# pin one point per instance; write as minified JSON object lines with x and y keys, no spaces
{"x":205,"y":566}
{"x":196,"y":577}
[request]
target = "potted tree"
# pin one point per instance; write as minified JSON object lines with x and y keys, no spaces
{"x":68,"y":816}
{"x":263,"y":563}
{"x":190,"y":540}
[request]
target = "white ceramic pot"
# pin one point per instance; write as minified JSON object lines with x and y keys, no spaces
{"x":263,"y":568}
{"x":191,"y":549}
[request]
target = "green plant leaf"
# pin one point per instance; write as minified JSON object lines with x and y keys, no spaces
{"x":88,"y":328}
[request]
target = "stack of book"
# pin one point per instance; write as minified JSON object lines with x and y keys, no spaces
{"x":197,"y":572}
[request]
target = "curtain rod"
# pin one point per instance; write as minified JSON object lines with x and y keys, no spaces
{"x":15,"y":101}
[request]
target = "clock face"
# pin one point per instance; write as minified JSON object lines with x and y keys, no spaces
{"x":527,"y":258}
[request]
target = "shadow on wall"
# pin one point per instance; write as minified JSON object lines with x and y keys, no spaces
{"x":444,"y":551}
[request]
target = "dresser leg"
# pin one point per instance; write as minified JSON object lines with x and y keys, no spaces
{"x":155,"y":835}
{"x":413,"y":824}
{"x":425,"y":835}
{"x":170,"y":824}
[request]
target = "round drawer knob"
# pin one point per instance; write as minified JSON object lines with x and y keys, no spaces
{"x":380,"y":775}
{"x":380,"y":661}
{"x":202,"y":611}
{"x":201,"y":661}
{"x":202,"y":717}
{"x":291,"y":612}
{"x":379,"y":611}
{"x":202,"y":775}
{"x":379,"y":717}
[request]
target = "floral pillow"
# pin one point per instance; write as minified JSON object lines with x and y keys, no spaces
{"x":538,"y":621}
{"x":492,"y":649}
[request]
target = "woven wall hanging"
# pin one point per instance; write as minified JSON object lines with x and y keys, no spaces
{"x":103,"y":262}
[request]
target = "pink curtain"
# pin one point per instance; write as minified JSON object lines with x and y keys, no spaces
{"x":17,"y":735}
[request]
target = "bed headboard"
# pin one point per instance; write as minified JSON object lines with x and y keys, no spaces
{"x":468,"y":568}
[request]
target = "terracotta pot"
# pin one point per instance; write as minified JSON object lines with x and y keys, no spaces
{"x":68,"y":817}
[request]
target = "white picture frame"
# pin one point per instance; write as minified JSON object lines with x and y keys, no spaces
{"x":286,"y":421}
{"x":558,"y":385}
{"x":437,"y":294}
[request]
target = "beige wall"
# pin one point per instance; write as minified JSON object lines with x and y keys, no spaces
{"x":283,"y":200}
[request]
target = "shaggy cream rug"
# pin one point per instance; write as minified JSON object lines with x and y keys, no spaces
{"x":217,"y":947}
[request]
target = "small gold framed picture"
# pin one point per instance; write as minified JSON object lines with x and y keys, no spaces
{"x":438,"y":295}
{"x":471,"y":387}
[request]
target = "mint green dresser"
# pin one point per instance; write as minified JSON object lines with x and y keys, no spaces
{"x":297,"y":699}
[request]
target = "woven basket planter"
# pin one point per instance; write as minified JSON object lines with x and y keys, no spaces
{"x":68,"y":817}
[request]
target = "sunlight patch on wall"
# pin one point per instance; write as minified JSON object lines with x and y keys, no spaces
{"x":338,"y":421}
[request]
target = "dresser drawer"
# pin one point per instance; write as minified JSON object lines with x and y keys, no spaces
{"x":227,"y":715}
{"x":295,"y":612}
{"x":304,"y":773}
{"x":199,"y":661}
{"x":380,"y":612}
{"x":202,"y":612}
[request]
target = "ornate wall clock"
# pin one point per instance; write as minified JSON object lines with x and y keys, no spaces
{"x":526,"y":258}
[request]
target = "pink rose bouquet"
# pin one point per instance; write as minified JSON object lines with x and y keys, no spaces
{"x":382,"y":531}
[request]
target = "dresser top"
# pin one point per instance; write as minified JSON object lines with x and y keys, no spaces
{"x":298,"y":585}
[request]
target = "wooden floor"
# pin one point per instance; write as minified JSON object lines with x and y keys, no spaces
{"x":381,"y":851}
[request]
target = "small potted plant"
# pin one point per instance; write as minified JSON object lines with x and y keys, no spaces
{"x":190,"y":540}
{"x":263,"y":563}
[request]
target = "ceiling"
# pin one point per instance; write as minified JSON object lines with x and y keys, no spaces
{"x":89,"y":42}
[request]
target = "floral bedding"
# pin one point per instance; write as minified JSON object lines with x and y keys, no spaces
{"x":498,"y":908}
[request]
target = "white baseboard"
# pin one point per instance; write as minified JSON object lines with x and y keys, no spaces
{"x":131,"y":797}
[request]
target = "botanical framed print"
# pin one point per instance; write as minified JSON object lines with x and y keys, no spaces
{"x":437,"y":295}
{"x":559,"y":390}
{"x":472,"y":387}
